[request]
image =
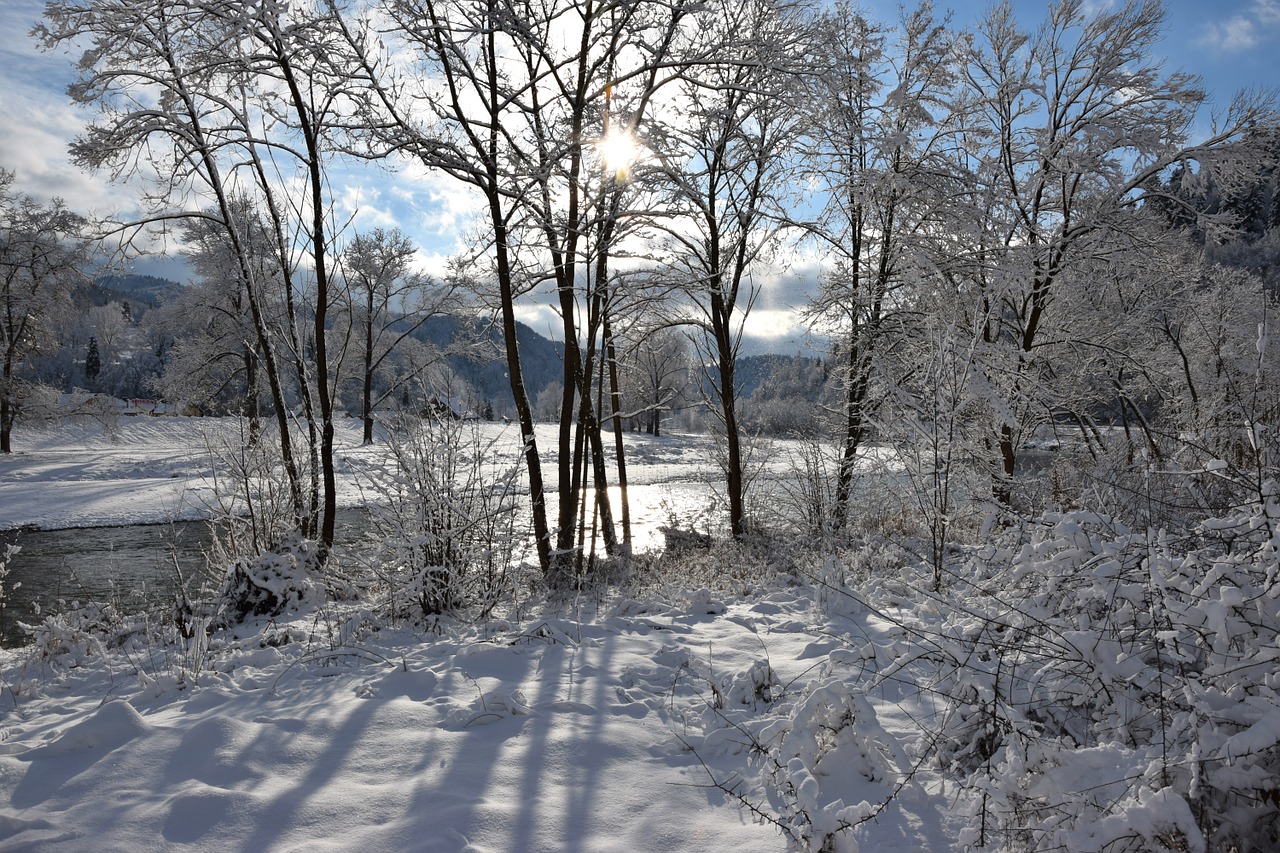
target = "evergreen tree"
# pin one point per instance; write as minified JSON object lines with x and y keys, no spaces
{"x":92,"y":361}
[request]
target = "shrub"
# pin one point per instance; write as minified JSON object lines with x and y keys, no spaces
{"x":444,"y":518}
{"x":1114,"y":690}
{"x":272,"y":583}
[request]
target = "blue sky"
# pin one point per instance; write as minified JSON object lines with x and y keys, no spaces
{"x":1230,"y":43}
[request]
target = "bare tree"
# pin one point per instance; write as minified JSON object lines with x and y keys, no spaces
{"x":728,"y":163}
{"x":228,"y":102}
{"x":1072,"y":122}
{"x":659,"y":368}
{"x":513,"y":101}
{"x":388,"y":301}
{"x":42,"y":260}
{"x":217,"y":355}
{"x":880,"y":129}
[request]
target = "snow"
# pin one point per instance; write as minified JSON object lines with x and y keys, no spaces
{"x":587,"y":724}
{"x":552,"y":734}
{"x":1076,"y":685}
{"x":141,"y":470}
{"x":153,"y":470}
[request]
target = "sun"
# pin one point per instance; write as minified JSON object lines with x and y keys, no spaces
{"x":618,"y":150}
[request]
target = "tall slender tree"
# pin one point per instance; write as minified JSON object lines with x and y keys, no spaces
{"x":879,"y":137}
{"x":728,"y":169}
{"x":92,"y":361}
{"x":227,"y":102}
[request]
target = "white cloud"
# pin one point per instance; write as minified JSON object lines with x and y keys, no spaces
{"x":1095,"y":7}
{"x":773,"y":324}
{"x":362,"y":206}
{"x":37,"y":120}
{"x":1236,"y":34}
{"x":542,"y":318}
{"x":1267,"y":12}
{"x":1245,"y":30}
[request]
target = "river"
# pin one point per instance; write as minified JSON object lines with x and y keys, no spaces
{"x":137,"y":566}
{"x":132,"y":566}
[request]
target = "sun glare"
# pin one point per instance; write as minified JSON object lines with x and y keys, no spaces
{"x":618,"y":151}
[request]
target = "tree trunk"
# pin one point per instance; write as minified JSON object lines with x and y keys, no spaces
{"x":306,"y":123}
{"x":615,"y":399}
{"x":6,"y":422}
{"x":723,"y":334}
{"x":570,"y":450}
{"x":251,"y":394}
{"x":515,"y":374}
{"x":274,"y":384}
{"x":601,"y":478}
{"x":1003,"y":491}
{"x":852,"y":434}
{"x":8,"y":408}
{"x":367,"y":403}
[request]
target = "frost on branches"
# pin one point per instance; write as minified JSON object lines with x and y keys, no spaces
{"x":1108,"y":689}
{"x":1075,"y":686}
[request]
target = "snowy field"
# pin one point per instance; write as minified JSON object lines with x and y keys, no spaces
{"x":144,"y":470}
{"x":578,"y":725}
{"x":727,"y":700}
{"x":552,"y":734}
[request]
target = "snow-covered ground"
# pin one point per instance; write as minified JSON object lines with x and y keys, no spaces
{"x":1068,"y":685}
{"x":592,"y":725}
{"x":145,"y":470}
{"x":551,"y":734}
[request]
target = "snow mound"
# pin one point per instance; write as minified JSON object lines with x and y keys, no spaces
{"x":19,"y":834}
{"x":491,"y":707}
{"x":273,"y":583}
{"x":110,"y":727}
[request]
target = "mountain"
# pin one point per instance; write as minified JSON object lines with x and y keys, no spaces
{"x":141,"y":292}
{"x":484,"y":365}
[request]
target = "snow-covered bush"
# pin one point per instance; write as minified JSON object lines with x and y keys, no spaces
{"x":250,"y":506}
{"x":822,"y":762}
{"x":443,"y":512}
{"x":805,"y":502}
{"x":271,"y":584}
{"x":758,"y":685}
{"x":831,"y":746}
{"x":1114,"y":690}
{"x":73,"y":638}
{"x":1086,"y":687}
